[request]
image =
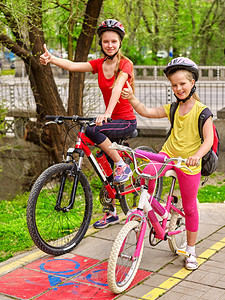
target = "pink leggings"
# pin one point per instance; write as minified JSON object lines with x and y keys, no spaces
{"x":188,"y":189}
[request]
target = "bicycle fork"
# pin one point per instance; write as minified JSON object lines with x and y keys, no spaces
{"x":74,"y":172}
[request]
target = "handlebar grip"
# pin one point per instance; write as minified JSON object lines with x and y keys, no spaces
{"x":50,"y":117}
{"x":153,"y":156}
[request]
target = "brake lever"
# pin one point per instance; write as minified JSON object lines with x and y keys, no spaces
{"x":57,"y":121}
{"x":179,"y":166}
{"x":120,"y":147}
{"x":50,"y":122}
{"x":92,"y":123}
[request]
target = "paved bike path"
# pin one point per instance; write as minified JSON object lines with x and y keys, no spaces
{"x":81,"y":274}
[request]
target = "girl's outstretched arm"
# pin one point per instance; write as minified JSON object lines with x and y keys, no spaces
{"x":141,"y":109}
{"x":66,"y":64}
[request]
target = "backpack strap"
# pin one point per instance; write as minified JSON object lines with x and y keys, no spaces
{"x":173,"y":108}
{"x":204,"y":115}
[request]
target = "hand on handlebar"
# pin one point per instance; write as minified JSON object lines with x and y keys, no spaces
{"x":102,"y":118}
{"x":193,"y":160}
{"x":46,"y":57}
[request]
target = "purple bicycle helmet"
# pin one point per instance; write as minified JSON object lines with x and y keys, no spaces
{"x":182,"y":63}
{"x":113,"y":25}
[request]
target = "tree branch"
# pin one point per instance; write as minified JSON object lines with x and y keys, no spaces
{"x":26,"y":56}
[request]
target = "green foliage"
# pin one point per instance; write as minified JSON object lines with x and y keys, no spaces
{"x":193,"y":28}
{"x":8,"y":72}
{"x":14,"y":234}
{"x":212,"y":194}
{"x":56,"y":33}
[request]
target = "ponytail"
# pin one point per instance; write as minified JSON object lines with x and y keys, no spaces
{"x":117,"y":70}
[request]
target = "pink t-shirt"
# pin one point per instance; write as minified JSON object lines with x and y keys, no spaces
{"x":123,"y":109}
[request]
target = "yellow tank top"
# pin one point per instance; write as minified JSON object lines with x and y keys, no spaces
{"x":184,"y":139}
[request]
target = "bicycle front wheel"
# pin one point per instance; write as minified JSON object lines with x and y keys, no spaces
{"x":56,"y":230}
{"x":177,"y":222}
{"x":122,"y":265}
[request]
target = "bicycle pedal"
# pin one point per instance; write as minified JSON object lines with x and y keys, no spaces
{"x":183,"y":253}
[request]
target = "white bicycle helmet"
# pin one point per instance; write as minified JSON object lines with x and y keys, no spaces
{"x":182,"y":63}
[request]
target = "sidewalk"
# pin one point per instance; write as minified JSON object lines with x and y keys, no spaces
{"x":81,"y":274}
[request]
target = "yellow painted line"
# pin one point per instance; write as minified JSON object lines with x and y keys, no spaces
{"x":181,"y":274}
{"x":200,"y":261}
{"x":169,"y":283}
{"x":91,"y":231}
{"x":20,"y":262}
{"x":208,"y":253}
{"x":154,"y":294}
{"x":217,"y":246}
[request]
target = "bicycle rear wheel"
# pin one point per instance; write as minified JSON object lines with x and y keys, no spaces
{"x":58,"y":231}
{"x":177,"y":222}
{"x":130,"y":201}
{"x":122,"y":265}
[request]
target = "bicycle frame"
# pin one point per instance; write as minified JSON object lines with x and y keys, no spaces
{"x":127,"y":250}
{"x":145,"y":212}
{"x":81,"y":147}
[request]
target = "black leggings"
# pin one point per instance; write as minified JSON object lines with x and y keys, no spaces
{"x":113,"y":130}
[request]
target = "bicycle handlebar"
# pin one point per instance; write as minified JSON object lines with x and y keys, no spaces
{"x":153,"y":156}
{"x":88,"y":120}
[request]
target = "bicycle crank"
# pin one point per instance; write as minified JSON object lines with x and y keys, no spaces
{"x":153,"y":241}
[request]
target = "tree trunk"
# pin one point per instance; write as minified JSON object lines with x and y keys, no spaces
{"x":75,"y":103}
{"x":44,"y":88}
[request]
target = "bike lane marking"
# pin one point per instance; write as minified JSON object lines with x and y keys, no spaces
{"x":180,"y":275}
{"x":64,"y":277}
{"x":38,"y":253}
{"x":33,"y":256}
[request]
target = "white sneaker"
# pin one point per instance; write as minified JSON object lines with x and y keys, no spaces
{"x":191,"y":263}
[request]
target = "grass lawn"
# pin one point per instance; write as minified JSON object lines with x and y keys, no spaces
{"x":14,"y":236}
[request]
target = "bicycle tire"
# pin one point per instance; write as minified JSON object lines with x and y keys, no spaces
{"x":121,"y":270}
{"x":58,"y":232}
{"x":126,"y":203}
{"x":177,"y":222}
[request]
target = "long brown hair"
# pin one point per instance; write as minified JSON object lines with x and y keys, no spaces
{"x":117,"y":69}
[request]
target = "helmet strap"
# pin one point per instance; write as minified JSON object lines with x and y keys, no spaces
{"x":188,"y":97}
{"x":106,"y":55}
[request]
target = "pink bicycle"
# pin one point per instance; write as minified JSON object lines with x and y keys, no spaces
{"x":128,"y":247}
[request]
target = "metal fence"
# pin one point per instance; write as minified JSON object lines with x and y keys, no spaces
{"x":206,"y":73}
{"x":18,"y":97}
